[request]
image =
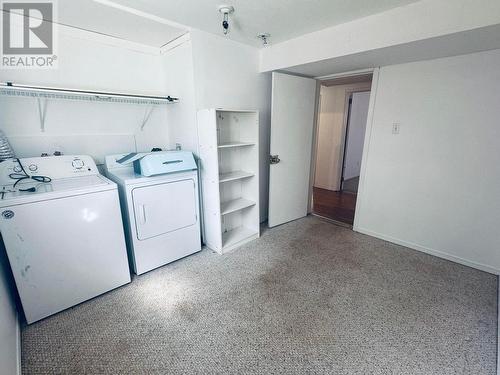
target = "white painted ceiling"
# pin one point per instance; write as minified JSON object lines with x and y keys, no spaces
{"x":164,"y":20}
{"x":104,"y":19}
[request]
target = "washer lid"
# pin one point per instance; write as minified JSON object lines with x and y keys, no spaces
{"x":55,"y":189}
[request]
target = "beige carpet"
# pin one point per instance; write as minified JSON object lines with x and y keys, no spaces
{"x":308,"y":297}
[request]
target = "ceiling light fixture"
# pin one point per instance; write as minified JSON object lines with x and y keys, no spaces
{"x":264,"y":37}
{"x":226,"y":10}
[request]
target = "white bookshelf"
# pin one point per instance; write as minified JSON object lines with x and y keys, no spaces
{"x":234,"y":176}
{"x":235,"y":205}
{"x":229,"y":156}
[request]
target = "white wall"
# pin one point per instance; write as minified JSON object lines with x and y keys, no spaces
{"x":206,"y":71}
{"x":227,"y":75}
{"x":93,"y":62}
{"x":422,"y":20}
{"x":356,"y":134}
{"x":209,"y":71}
{"x":177,"y":64}
{"x":434,"y":187}
{"x":9,"y":328}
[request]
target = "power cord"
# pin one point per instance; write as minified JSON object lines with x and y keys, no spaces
{"x":25,"y":176}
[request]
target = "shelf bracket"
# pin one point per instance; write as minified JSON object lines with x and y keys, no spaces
{"x":42,"y":111}
{"x":147,"y":115}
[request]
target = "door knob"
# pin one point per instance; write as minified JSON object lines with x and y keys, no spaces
{"x":274,"y":159}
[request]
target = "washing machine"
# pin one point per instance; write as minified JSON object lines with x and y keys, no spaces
{"x":61,"y":226}
{"x":161,"y":210}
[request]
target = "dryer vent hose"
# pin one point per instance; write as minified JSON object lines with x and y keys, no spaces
{"x":6,"y":151}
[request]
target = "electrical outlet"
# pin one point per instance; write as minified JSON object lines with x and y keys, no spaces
{"x":395,"y":127}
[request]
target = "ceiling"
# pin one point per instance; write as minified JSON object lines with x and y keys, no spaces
{"x":156,"y":22}
{"x":476,"y":40}
{"x":105,"y":19}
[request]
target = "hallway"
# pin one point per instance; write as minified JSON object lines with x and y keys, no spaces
{"x":335,"y":205}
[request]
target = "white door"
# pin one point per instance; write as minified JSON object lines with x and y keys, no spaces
{"x":163,"y":208}
{"x":292,"y":124}
{"x":356,"y":130}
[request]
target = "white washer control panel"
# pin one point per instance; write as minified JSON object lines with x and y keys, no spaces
{"x":55,"y":167}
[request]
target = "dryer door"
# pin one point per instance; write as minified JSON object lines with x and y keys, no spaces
{"x":164,"y":208}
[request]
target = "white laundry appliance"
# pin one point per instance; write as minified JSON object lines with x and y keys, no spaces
{"x":160,"y":211}
{"x":61,"y":226}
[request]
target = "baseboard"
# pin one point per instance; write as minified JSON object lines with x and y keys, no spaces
{"x":440,"y":254}
{"x":498,"y":326}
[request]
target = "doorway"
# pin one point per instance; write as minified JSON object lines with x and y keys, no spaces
{"x":341,"y":126}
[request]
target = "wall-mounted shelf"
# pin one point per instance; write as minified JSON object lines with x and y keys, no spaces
{"x":11,"y":89}
{"x":43,"y":93}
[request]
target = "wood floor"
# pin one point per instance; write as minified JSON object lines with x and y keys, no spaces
{"x":335,"y":205}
